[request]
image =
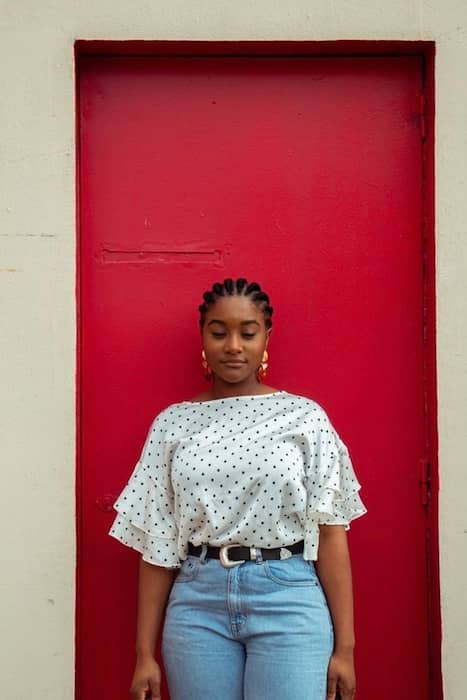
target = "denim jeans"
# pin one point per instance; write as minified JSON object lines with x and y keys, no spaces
{"x":260,"y":630}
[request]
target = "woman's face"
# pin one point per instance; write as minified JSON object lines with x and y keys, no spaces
{"x":234,"y":338}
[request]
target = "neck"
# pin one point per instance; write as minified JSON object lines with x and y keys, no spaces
{"x":222,"y":390}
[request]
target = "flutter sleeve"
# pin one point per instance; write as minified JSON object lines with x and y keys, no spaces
{"x":331,"y":485}
{"x":145,"y":507}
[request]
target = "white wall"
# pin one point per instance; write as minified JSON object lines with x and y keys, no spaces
{"x":37,"y":278}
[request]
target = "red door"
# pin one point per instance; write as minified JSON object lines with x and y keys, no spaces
{"x":305,"y":174}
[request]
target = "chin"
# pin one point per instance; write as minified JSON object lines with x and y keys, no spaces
{"x":231,"y":379}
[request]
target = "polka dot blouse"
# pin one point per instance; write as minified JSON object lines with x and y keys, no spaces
{"x":258,"y":470}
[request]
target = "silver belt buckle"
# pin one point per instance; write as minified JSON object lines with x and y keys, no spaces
{"x":224,"y":559}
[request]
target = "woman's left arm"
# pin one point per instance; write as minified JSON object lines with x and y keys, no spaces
{"x":335,"y":574}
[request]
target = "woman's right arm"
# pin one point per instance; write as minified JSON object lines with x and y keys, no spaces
{"x":154,"y":585}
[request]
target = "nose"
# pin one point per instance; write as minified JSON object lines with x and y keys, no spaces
{"x":233,"y":344}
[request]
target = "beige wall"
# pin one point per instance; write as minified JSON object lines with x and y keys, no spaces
{"x":37,"y":238}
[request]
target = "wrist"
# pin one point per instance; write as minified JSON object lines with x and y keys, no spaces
{"x":346,"y":649}
{"x":143,"y":653}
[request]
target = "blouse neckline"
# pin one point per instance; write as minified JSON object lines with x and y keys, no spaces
{"x":237,"y":398}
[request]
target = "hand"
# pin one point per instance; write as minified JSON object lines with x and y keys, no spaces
{"x":341,"y":677}
{"x":146,"y":683}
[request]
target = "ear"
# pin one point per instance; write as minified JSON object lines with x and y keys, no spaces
{"x":268,"y":335}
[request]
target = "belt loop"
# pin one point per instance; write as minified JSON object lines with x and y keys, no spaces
{"x":202,"y":556}
{"x":259,"y":555}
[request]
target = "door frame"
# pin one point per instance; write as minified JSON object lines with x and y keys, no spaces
{"x":424,"y":112}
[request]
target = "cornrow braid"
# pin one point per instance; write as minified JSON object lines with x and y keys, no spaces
{"x":239,"y":287}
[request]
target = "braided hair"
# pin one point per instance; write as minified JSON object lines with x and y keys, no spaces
{"x":239,"y":287}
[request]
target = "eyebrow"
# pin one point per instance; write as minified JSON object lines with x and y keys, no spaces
{"x":243,"y":323}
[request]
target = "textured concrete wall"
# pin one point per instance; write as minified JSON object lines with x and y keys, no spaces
{"x":37,"y":278}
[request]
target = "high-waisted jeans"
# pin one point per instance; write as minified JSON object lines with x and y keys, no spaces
{"x":258,"y":631}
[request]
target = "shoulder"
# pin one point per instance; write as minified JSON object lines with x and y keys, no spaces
{"x":169,"y":415}
{"x":309,"y":413}
{"x":306,"y":403}
{"x":318,"y":418}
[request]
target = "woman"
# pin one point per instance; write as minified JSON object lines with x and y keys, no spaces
{"x":239,"y":506}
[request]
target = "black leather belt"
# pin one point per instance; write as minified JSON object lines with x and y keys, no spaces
{"x":233,"y":554}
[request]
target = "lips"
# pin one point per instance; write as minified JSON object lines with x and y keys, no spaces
{"x":233,"y":363}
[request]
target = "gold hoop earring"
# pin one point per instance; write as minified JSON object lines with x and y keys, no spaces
{"x":208,"y":373}
{"x":262,"y":369}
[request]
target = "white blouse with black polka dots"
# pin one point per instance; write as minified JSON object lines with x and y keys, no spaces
{"x":261,"y":470}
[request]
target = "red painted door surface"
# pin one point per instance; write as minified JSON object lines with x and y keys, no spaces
{"x":305,"y":174}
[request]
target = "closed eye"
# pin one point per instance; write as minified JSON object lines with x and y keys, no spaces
{"x":219,"y":334}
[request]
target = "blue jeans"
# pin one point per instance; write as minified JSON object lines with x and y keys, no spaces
{"x":258,"y":631}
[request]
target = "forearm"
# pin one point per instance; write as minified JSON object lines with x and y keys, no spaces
{"x":334,"y":571}
{"x":154,"y":585}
